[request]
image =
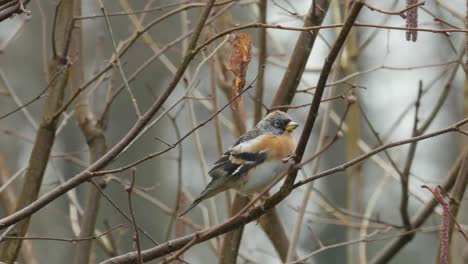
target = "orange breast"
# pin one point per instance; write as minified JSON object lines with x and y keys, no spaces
{"x":279,"y":147}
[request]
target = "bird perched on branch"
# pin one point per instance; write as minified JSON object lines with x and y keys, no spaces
{"x":255,"y":160}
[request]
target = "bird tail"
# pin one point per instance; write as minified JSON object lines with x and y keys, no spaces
{"x":209,"y":191}
{"x":195,"y":203}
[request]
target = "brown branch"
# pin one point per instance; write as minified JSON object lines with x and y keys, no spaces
{"x":322,"y":247}
{"x":40,"y":94}
{"x":136,"y":237}
{"x":121,"y":212}
{"x":71,"y":240}
{"x":181,"y":251}
{"x":398,"y":13}
{"x":301,"y":53}
{"x":118,"y":63}
{"x":129,"y":42}
{"x":157,"y":8}
{"x":10,"y":8}
{"x":95,"y":140}
{"x":284,"y":107}
{"x":333,"y":208}
{"x":251,"y":25}
{"x":153,"y":57}
{"x":456,"y":197}
{"x":271,"y":223}
{"x":235,"y":222}
{"x":321,"y":84}
{"x":45,"y":136}
{"x":87,"y":175}
{"x":262,"y":57}
{"x":160,"y":205}
{"x":171,"y":146}
{"x":317,"y":154}
{"x":454,"y":128}
{"x":292,"y":13}
{"x":374,"y":33}
{"x":404,"y":176}
{"x":438,"y":19}
{"x":446,"y":32}
{"x":240,"y":220}
{"x":231,"y":241}
{"x":8,"y":196}
{"x":396,"y":244}
{"x":443,"y":95}
{"x":111,"y":154}
{"x":180,"y":195}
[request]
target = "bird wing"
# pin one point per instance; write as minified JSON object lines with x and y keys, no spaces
{"x":235,"y":161}
{"x":228,"y":169}
{"x":233,"y":164}
{"x":239,"y":159}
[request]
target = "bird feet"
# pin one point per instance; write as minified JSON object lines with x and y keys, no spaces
{"x":288,"y":159}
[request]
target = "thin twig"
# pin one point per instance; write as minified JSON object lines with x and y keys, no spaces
{"x":317,"y":154}
{"x":234,"y":222}
{"x":131,"y":134}
{"x":444,"y":203}
{"x":136,"y":237}
{"x":454,"y":128}
{"x":346,"y":243}
{"x":155,"y":154}
{"x":179,"y":194}
{"x":40,"y":95}
{"x":149,"y":10}
{"x":72,"y":240}
{"x":404,"y":180}
{"x":384,"y":255}
{"x":117,"y":58}
{"x":445,"y":32}
{"x":262,"y":56}
{"x":398,"y":13}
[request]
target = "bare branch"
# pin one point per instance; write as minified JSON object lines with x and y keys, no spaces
{"x":111,"y":154}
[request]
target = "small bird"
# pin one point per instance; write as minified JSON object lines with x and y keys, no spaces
{"x":255,"y":160}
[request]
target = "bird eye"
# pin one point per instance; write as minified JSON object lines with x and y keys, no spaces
{"x":277,"y":124}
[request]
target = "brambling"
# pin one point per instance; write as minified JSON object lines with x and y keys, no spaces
{"x":255,"y":160}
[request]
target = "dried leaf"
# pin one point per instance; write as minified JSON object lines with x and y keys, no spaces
{"x":240,"y":58}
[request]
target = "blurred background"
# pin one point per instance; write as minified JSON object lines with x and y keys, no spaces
{"x":378,"y":66}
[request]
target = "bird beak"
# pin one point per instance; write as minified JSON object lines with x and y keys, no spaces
{"x":291,"y":126}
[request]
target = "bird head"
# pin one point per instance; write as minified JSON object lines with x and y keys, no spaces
{"x":277,"y":123}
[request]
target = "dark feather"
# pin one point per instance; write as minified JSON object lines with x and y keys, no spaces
{"x":225,"y":167}
{"x":225,"y":171}
{"x":220,"y":162}
{"x":249,"y":156}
